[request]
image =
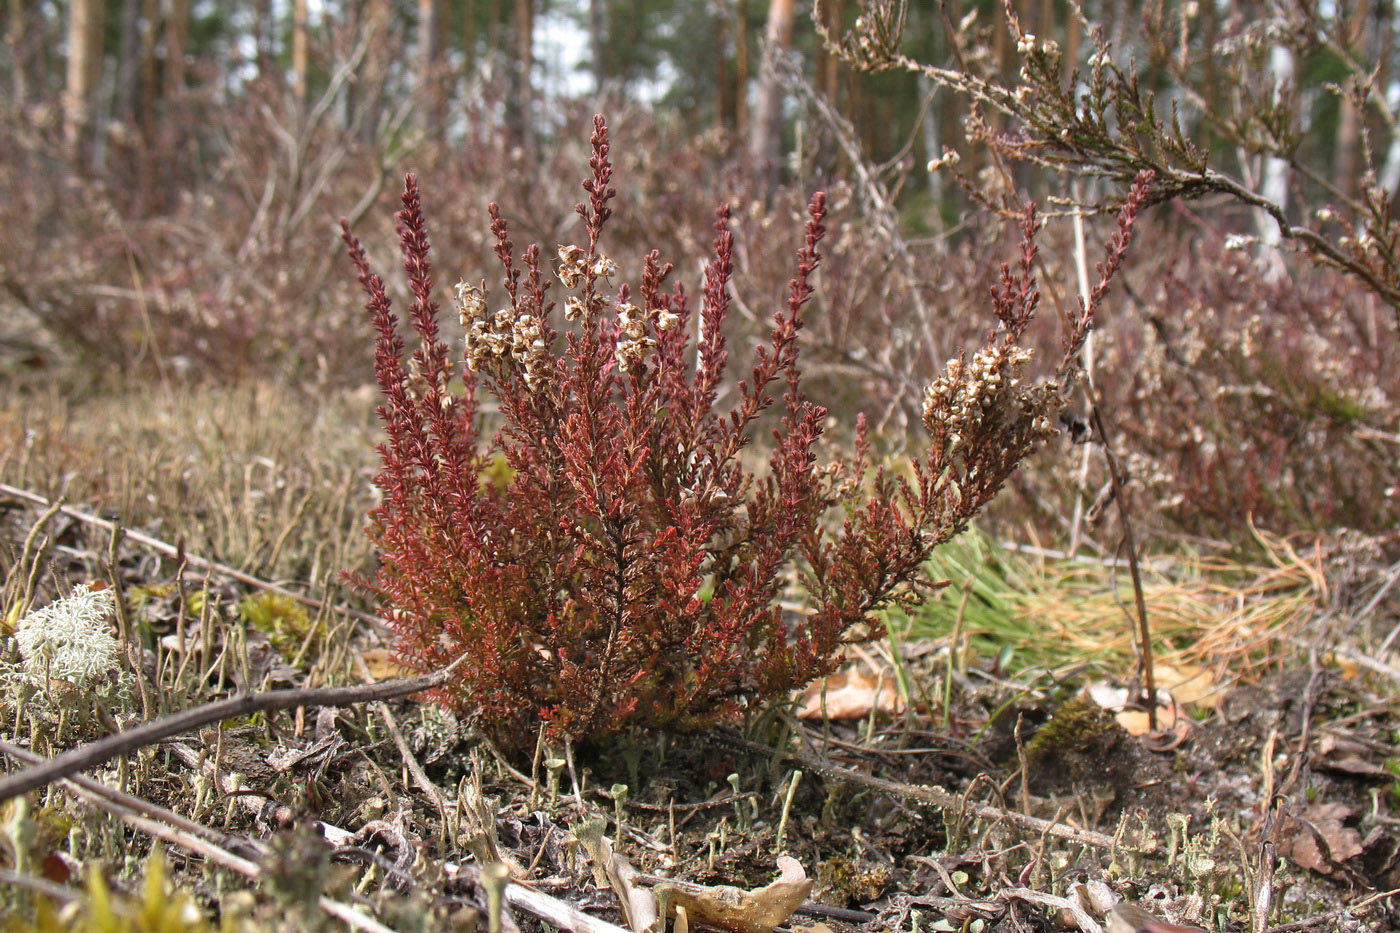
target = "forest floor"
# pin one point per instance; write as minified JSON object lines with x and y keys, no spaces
{"x":975,"y":770}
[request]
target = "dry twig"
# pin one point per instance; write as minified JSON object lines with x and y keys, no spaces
{"x":923,"y":794}
{"x":94,"y":753}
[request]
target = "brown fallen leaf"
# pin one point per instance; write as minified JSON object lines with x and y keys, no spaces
{"x":1130,"y":918}
{"x":1136,"y":722}
{"x":1189,"y":684}
{"x":851,"y":694}
{"x":1337,"y":753}
{"x":1301,"y":844}
{"x":637,"y":903}
{"x":382,"y":666}
{"x":741,"y":911}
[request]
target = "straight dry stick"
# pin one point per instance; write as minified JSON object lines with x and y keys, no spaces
{"x":931,"y":795}
{"x":94,"y":753}
{"x":170,"y":550}
{"x":174,"y":829}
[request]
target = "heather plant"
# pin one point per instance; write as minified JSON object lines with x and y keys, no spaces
{"x":1257,"y":400}
{"x":629,"y":572}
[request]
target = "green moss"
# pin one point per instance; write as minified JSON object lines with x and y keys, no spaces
{"x":844,"y":880}
{"x":1077,"y":725}
{"x":499,"y":472}
{"x":160,"y":908}
{"x":1338,"y":407}
{"x":284,"y":621}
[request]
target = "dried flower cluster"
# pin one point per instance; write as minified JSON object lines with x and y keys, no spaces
{"x":987,"y":395}
{"x":628,"y":570}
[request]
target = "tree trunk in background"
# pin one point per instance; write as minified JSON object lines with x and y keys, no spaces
{"x":724,"y":79}
{"x":741,"y":67}
{"x":369,"y":90}
{"x":495,"y":18}
{"x":597,"y":45}
{"x":177,"y":41}
{"x":765,"y":140}
{"x":262,"y":36}
{"x":1344,"y":167}
{"x":828,"y":65}
{"x":467,"y":11}
{"x":84,"y":71}
{"x":1074,"y":41}
{"x":519,"y":103}
{"x":430,"y":91}
{"x":301,"y":52}
{"x":933,"y":149}
{"x":1273,"y":182}
{"x":129,"y":62}
{"x":149,"y":73}
{"x":17,"y":40}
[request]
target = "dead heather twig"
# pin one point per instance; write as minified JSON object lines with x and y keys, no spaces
{"x":409,"y":760}
{"x":1115,"y":472}
{"x":94,"y":753}
{"x":173,"y":829}
{"x":936,"y":796}
{"x":193,"y":560}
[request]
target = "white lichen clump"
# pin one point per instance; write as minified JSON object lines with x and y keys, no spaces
{"x":70,"y":639}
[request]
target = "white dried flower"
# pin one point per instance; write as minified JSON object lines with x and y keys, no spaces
{"x":603,"y":267}
{"x":1026,"y":44}
{"x":415,"y":383}
{"x":949,"y":159}
{"x":985,"y":394}
{"x":471,"y":302}
{"x":571,"y":271}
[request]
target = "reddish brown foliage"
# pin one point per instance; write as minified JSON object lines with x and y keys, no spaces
{"x":630,"y":570}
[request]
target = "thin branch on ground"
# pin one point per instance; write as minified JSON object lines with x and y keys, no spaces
{"x":167,"y":826}
{"x":95,"y":753}
{"x":193,"y":560}
{"x":921,"y":793}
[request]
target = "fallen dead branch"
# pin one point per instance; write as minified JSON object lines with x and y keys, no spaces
{"x":173,"y":829}
{"x":923,"y":794}
{"x":193,"y":560}
{"x":95,"y":753}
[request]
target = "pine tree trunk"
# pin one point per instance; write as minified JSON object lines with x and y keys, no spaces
{"x":177,"y":36}
{"x":741,"y":67}
{"x":429,"y":60}
{"x":17,"y":40}
{"x":724,"y":79}
{"x":262,"y":36}
{"x":829,"y":66}
{"x":765,"y":141}
{"x":128,"y":89}
{"x":597,"y":44}
{"x":149,"y":73}
{"x":370,"y":87}
{"x":519,"y":106}
{"x":83,"y":73}
{"x":301,"y":51}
